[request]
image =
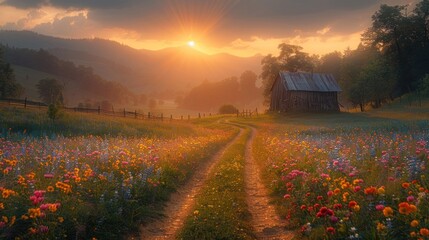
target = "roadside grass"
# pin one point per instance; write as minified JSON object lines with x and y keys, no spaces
{"x":221,"y":209}
{"x":35,"y":122}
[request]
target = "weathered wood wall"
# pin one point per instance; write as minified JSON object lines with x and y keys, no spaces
{"x":302,"y":101}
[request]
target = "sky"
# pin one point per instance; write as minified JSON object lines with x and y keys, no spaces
{"x":238,"y":27}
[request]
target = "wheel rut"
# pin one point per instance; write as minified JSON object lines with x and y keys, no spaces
{"x":182,"y":201}
{"x":266,"y":223}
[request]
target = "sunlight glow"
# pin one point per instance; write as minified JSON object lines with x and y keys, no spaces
{"x":191,"y":44}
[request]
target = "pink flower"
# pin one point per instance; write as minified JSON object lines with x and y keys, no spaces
{"x":286,"y":196}
{"x":411,"y":199}
{"x":379,"y":207}
{"x":49,"y":175}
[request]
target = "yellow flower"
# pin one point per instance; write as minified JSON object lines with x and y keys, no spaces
{"x":1,"y":206}
{"x":60,"y":219}
{"x":381,"y":190}
{"x":380,"y":227}
{"x":356,"y":208}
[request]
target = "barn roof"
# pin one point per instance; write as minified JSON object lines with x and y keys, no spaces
{"x":314,"y":82}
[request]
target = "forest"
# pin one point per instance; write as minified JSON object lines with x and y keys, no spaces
{"x":391,"y":60}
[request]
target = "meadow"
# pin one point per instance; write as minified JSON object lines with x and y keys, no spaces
{"x":87,"y":177}
{"x":349,"y":176}
{"x":331,"y":176}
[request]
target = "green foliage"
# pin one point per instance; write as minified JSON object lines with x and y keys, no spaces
{"x":50,"y":91}
{"x":53,"y":112}
{"x":9,"y":88}
{"x":402,"y":38}
{"x":374,"y":82}
{"x":221,"y":211}
{"x":291,"y":58}
{"x":228,"y":109}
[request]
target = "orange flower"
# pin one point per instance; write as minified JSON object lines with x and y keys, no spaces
{"x":406,"y":208}
{"x":388,"y":212}
{"x":405,"y":185}
{"x":352,"y":204}
{"x":34,"y":212}
{"x":370,"y":191}
{"x":424,"y":232}
{"x":381,"y":190}
{"x":50,"y":189}
{"x":414,"y":223}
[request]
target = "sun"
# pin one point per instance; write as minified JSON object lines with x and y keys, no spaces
{"x":191,"y":43}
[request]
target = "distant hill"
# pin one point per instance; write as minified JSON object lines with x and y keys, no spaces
{"x":80,"y":82}
{"x":143,"y":71}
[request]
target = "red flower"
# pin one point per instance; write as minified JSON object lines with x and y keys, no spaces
{"x":352,"y":204}
{"x":330,"y":230}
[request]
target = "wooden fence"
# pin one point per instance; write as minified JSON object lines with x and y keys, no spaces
{"x":25,"y":103}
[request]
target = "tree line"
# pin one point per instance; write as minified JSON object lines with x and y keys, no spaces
{"x":391,"y":60}
{"x":233,"y":90}
{"x":83,"y":77}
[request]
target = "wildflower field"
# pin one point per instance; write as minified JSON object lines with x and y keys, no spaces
{"x":83,"y":187}
{"x":349,"y":181}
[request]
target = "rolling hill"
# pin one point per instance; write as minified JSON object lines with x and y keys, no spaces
{"x":143,"y":71}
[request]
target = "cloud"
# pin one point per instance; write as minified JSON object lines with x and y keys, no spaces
{"x":72,"y":25}
{"x":24,"y":4}
{"x":213,"y":23}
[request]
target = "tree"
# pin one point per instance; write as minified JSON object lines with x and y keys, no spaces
{"x":228,"y":109}
{"x":331,"y":63}
{"x":50,"y":91}
{"x":9,"y":88}
{"x":270,"y":69}
{"x":248,"y":89}
{"x":291,"y":58}
{"x":401,"y":39}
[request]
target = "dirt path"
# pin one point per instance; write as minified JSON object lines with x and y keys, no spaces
{"x":266,"y":223}
{"x":182,"y":202}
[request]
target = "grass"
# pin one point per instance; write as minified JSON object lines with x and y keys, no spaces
{"x":221,"y":210}
{"x":36,"y":123}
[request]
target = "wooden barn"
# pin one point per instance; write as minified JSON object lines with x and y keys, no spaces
{"x":304,"y":92}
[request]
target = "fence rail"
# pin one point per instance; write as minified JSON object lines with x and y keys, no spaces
{"x":119,"y":113}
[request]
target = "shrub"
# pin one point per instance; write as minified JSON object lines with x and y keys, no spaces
{"x":228,"y":109}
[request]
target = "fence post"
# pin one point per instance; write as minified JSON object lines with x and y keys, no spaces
{"x":135,"y":113}
{"x":199,"y":115}
{"x":189,"y":117}
{"x":124,"y":113}
{"x":162,"y":116}
{"x":148,"y":115}
{"x":181,"y":117}
{"x":25,"y":102}
{"x":98,"y":110}
{"x":171,"y":116}
{"x":256,"y":111}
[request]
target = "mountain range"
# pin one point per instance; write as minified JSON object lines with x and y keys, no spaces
{"x":142,"y":71}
